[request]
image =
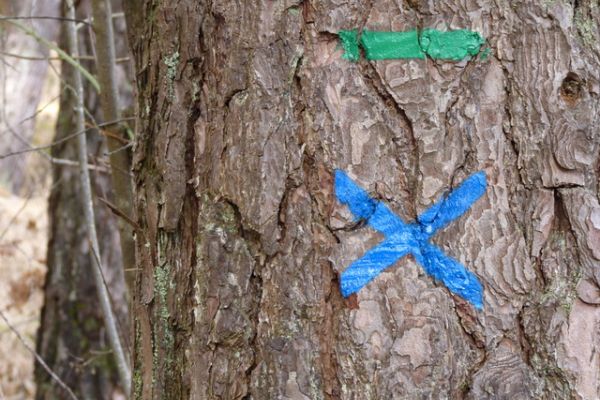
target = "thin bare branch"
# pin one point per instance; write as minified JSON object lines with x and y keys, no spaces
{"x":54,"y":47}
{"x":124,"y":147}
{"x":110,"y":298}
{"x":115,"y":210}
{"x":62,"y":19}
{"x":20,"y":210}
{"x":71,"y":163}
{"x":30,"y":58}
{"x":14,"y":217}
{"x":22,"y":322}
{"x":39,"y":110}
{"x":109,"y":102}
{"x":105,"y":303}
{"x":64,"y":139}
{"x":38,"y":358}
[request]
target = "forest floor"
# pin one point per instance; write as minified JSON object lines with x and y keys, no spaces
{"x":23,"y":241}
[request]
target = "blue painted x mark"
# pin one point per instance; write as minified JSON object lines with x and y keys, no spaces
{"x":411,"y":238}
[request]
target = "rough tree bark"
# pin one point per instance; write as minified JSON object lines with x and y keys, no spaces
{"x":72,"y":338}
{"x":246,"y":108}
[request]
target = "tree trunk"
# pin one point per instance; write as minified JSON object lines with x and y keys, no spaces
{"x":21,"y":81}
{"x":72,"y":338}
{"x":245,"y":111}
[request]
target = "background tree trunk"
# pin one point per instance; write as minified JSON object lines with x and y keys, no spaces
{"x":72,"y":338}
{"x":246,"y":108}
{"x":23,"y":77}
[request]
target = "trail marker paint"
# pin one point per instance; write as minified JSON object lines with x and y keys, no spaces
{"x":377,"y":45}
{"x":413,"y":238}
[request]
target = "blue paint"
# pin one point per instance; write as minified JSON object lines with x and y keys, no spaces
{"x":402,"y":238}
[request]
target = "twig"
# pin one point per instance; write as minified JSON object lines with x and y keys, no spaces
{"x":28,"y":58}
{"x":25,"y":142}
{"x":115,"y":136}
{"x":71,"y":163}
{"x":64,"y":139}
{"x":6,"y":64}
{"x":109,"y":102}
{"x":115,"y":210}
{"x":110,"y":296}
{"x":31,"y":58}
{"x":38,"y":358}
{"x":14,"y":217}
{"x":27,"y":199}
{"x":39,"y":110}
{"x":54,"y":47}
{"x":14,"y":18}
{"x":124,"y":147}
{"x":107,"y":311}
{"x":22,"y":322}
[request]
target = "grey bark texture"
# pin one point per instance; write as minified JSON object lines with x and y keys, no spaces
{"x":246,"y":108}
{"x":21,"y":81}
{"x":116,"y":134}
{"x":104,"y":300}
{"x":72,"y":338}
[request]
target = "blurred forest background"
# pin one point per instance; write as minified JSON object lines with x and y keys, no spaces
{"x":43,"y":238}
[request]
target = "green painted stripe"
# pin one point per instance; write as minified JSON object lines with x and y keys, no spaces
{"x":386,"y":45}
{"x":377,"y":45}
{"x":451,"y":45}
{"x":350,"y":44}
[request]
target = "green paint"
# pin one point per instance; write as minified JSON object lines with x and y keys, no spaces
{"x":451,"y":45}
{"x":378,"y":45}
{"x":350,"y":44}
{"x":391,"y":45}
